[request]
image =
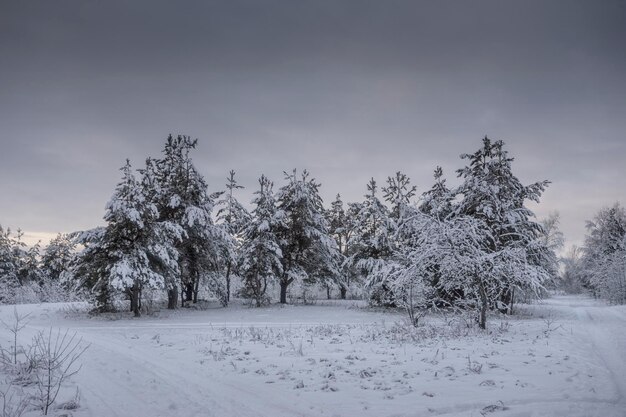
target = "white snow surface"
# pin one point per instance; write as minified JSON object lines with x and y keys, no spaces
{"x":565,"y":356}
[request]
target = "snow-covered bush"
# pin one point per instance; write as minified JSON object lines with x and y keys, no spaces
{"x":32,"y":293}
{"x":57,"y":356}
{"x":39,"y":369}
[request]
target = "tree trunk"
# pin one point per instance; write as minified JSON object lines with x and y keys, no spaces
{"x":261,"y":291}
{"x":506,"y":299}
{"x":172,"y":298}
{"x":135,"y":300}
{"x":484,"y":304}
{"x":103,"y":300}
{"x":512,"y":301}
{"x":228,"y":282}
{"x":328,"y":292}
{"x":343,"y":291}
{"x":189,"y":291}
{"x":283,"y":291}
{"x":131,"y":297}
{"x":196,"y":290}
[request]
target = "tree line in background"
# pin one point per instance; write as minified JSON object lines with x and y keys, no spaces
{"x":600,"y":265}
{"x":475,"y":246}
{"x":33,"y":274}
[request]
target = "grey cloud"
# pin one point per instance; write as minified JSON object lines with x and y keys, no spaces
{"x":348,"y":89}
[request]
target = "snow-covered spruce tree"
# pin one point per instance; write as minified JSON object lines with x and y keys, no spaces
{"x":339,"y":228}
{"x":604,"y":254}
{"x":260,"y":259}
{"x":183,"y":200}
{"x":371,"y":245}
{"x":134,"y":251}
{"x":57,"y":256}
{"x":309,"y":252}
{"x":493,"y":194}
{"x":233,"y":217}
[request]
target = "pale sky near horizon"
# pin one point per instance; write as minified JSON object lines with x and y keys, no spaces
{"x":346,"y":89}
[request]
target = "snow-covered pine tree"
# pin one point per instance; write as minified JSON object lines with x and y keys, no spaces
{"x":132,"y":252}
{"x":165,"y":236}
{"x":339,"y":228}
{"x":21,"y":275}
{"x":336,"y":218}
{"x":233,"y":217}
{"x":260,"y":259}
{"x":127,"y":214}
{"x":398,"y":193}
{"x":438,"y":200}
{"x":493,"y":194}
{"x":371,"y":245}
{"x":29,"y":270}
{"x":350,"y":274}
{"x":57,"y":256}
{"x":89,"y":270}
{"x":8,"y":266}
{"x":183,"y":200}
{"x":309,"y":252}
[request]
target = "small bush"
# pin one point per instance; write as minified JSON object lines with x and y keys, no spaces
{"x":36,"y":372}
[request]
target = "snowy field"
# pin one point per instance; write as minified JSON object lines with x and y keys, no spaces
{"x":562,"y":357}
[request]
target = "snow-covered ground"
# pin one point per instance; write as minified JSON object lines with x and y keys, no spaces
{"x":563,"y":357}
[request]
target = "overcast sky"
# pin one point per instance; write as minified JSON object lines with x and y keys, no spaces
{"x":347,"y":89}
